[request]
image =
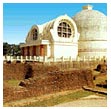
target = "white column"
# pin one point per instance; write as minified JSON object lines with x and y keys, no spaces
{"x":48,"y":50}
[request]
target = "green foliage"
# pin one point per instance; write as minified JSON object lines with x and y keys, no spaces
{"x":11,"y":49}
{"x":6,"y":48}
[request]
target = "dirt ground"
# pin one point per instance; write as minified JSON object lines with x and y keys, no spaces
{"x":22,"y":102}
{"x":14,"y":73}
{"x":89,"y":101}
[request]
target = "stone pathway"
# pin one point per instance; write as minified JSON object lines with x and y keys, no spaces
{"x":89,"y":101}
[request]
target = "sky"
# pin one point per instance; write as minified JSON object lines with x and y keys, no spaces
{"x":18,"y":18}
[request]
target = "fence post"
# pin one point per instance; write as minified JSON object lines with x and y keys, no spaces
{"x":4,"y":58}
{"x":84,"y":58}
{"x":11,"y":58}
{"x":18,"y":58}
{"x":34,"y":58}
{"x":21,"y":59}
{"x":54,"y":59}
{"x":70,"y":59}
{"x":44,"y":59}
{"x":26,"y":57}
{"x":70,"y":62}
{"x":62,"y":59}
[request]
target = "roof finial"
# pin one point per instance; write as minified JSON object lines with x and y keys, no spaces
{"x":87,"y":7}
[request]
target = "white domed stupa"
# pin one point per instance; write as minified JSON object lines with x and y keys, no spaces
{"x":92,"y":26}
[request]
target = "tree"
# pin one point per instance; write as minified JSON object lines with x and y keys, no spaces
{"x":11,"y":49}
{"x":17,"y":50}
{"x":6,"y":48}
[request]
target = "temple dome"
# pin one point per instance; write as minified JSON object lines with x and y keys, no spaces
{"x":91,"y":23}
{"x":92,"y":26}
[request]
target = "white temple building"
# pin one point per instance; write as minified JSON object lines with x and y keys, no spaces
{"x":83,"y":35}
{"x":55,"y":38}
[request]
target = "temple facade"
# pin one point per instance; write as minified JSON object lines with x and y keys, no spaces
{"x":55,"y":38}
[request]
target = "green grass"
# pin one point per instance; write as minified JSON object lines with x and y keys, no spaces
{"x":13,"y":82}
{"x":59,"y":99}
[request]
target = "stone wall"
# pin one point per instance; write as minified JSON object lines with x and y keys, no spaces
{"x":59,"y":81}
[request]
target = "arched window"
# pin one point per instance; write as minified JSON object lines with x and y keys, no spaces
{"x":64,"y":30}
{"x":34,"y":34}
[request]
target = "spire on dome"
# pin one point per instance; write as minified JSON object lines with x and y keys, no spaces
{"x":87,"y":7}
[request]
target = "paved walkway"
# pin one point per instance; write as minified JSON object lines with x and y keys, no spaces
{"x":90,"y":101}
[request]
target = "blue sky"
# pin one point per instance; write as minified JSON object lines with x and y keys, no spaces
{"x":18,"y":18}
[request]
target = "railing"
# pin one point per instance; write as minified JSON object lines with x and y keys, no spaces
{"x":50,"y":59}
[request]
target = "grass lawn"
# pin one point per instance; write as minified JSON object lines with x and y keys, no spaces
{"x":59,"y":99}
{"x":13,"y":82}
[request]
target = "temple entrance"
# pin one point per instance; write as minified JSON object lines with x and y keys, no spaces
{"x":34,"y":50}
{"x":42,"y":50}
{"x":22,"y":51}
{"x":28,"y":53}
